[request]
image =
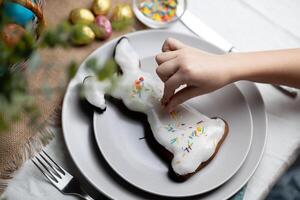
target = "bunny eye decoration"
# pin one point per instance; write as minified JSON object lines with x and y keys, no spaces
{"x":188,"y":139}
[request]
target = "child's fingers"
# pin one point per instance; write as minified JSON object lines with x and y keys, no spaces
{"x":167,"y":69}
{"x":181,"y":96}
{"x":172,"y":44}
{"x":166,"y":56}
{"x":171,"y":85}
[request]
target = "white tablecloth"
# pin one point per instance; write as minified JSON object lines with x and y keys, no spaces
{"x":250,"y":25}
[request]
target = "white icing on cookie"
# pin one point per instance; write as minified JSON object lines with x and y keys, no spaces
{"x":189,"y":135}
{"x":90,"y":85}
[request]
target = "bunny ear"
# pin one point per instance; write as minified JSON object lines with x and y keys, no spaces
{"x":125,"y":56}
{"x":119,"y":70}
{"x":118,"y":42}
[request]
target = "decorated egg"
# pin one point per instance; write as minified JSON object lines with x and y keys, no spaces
{"x":12,"y":34}
{"x":17,"y":13}
{"x":81,"y":16}
{"x":82,"y":34}
{"x":102,"y":27}
{"x":101,"y":7}
{"x":122,"y":16}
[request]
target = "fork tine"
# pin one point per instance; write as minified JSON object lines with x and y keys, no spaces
{"x":50,"y":178}
{"x":56,"y":165}
{"x":53,"y":176}
{"x":56,"y":171}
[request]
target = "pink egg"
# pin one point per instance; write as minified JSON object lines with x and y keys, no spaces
{"x":102,"y":27}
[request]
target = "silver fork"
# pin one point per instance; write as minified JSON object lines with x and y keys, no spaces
{"x":59,"y":177}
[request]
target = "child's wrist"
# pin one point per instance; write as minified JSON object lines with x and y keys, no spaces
{"x":232,"y":68}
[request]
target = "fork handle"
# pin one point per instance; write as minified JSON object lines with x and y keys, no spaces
{"x":84,"y":195}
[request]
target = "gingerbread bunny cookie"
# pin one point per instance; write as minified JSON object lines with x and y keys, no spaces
{"x":188,"y":138}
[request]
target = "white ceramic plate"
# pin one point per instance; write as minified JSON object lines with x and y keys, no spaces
{"x":118,"y":132}
{"x":79,"y":137}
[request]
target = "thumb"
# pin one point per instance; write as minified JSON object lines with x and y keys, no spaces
{"x":182,"y":96}
{"x":172,"y":44}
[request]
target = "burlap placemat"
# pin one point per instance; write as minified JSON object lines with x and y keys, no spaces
{"x":22,"y":141}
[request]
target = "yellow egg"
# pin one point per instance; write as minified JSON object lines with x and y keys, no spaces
{"x":82,"y":34}
{"x":81,"y":16}
{"x":122,"y":16}
{"x":101,"y":7}
{"x":122,"y":12}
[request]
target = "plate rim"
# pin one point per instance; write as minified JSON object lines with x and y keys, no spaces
{"x":261,"y":112}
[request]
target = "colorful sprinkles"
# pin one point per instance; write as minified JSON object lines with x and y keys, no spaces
{"x":174,"y":140}
{"x":198,"y":129}
{"x":188,"y":139}
{"x":159,"y":10}
{"x":138,"y":87}
{"x":170,"y":128}
{"x":174,"y":116}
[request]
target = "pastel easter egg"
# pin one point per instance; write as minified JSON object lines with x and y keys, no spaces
{"x":101,"y":7}
{"x":102,"y":27}
{"x":122,"y":16}
{"x":82,"y":34}
{"x":81,"y":16}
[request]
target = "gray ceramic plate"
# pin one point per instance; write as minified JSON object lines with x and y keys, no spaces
{"x":79,"y":137}
{"x":118,"y":132}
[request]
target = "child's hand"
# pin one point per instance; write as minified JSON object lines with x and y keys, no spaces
{"x":199,"y":71}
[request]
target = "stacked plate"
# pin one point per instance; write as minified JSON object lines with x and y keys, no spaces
{"x":111,"y":151}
